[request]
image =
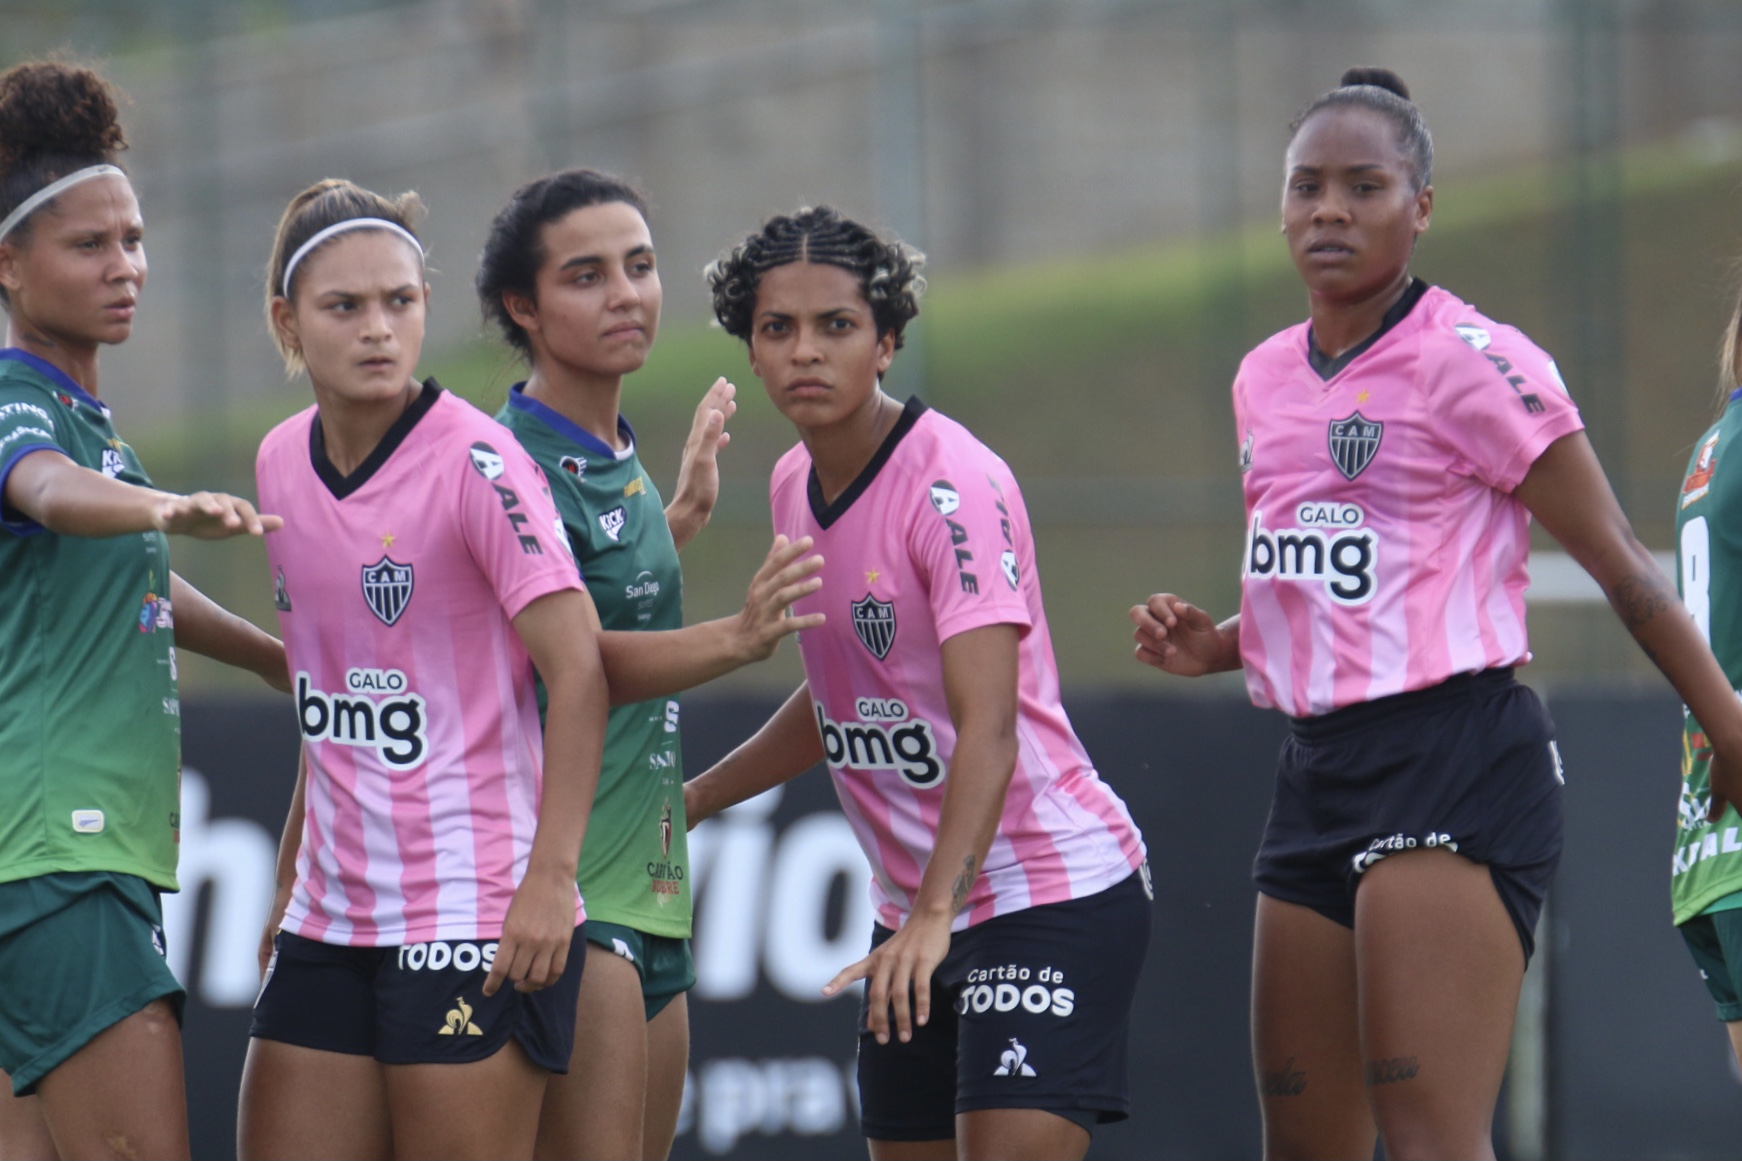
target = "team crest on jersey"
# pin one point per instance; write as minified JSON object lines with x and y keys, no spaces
{"x":487,"y":460}
{"x":874,"y":622}
{"x":612,"y":522}
{"x":387,"y":588}
{"x":945,"y":498}
{"x":573,"y":465}
{"x":1699,"y":481}
{"x":1354,"y":443}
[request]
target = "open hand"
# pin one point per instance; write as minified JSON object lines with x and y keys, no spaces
{"x":898,"y":975}
{"x":211,"y":516}
{"x":782,"y":580}
{"x":698,"y":474}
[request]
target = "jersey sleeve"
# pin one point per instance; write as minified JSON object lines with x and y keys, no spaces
{"x":511,"y":526}
{"x":26,"y":425}
{"x":970,"y":544}
{"x":1498,"y":400}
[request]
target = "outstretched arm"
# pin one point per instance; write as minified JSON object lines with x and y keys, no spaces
{"x":642,"y":665}
{"x":71,"y":500}
{"x":980,"y":676}
{"x":785,"y":747}
{"x":560,"y":631}
{"x":1567,"y":491}
{"x":205,"y":627}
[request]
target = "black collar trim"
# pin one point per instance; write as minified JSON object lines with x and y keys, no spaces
{"x":1328,"y":368}
{"x":340,"y":485}
{"x":826,"y":513}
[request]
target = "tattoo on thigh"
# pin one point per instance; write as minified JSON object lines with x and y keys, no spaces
{"x":1285,"y":1081}
{"x":1391,"y":1071}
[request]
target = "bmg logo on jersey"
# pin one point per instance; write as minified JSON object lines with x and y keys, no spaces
{"x":393,"y":726}
{"x":889,"y":741}
{"x":1333,"y":548}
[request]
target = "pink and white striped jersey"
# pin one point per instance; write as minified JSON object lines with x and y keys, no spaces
{"x":933,"y":540}
{"x":395,"y":589}
{"x":1384,"y":549}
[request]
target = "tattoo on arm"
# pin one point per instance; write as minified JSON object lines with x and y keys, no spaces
{"x":1638,"y":599}
{"x":1392,"y":1070}
{"x":1285,"y":1081}
{"x":964,"y":881}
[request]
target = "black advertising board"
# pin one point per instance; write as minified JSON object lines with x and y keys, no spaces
{"x":1637,"y":1062}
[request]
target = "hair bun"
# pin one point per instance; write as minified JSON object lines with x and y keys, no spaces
{"x":47,"y":107}
{"x":1377,"y":77}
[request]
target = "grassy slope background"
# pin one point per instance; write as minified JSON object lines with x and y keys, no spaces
{"x":1104,"y":382}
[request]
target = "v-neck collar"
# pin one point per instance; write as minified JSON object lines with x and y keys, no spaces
{"x":56,"y":376}
{"x":520,"y":401}
{"x":827,"y":513}
{"x":1329,"y":368}
{"x":341,"y":485}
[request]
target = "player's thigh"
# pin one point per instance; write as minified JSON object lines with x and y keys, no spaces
{"x":122,"y":1093}
{"x":483,"y":1109}
{"x":24,"y":1135}
{"x":1019,"y":1135}
{"x":668,"y":1055}
{"x":595,"y":1110}
{"x":300,"y":1102}
{"x":1306,"y":1046}
{"x":1440,"y":965}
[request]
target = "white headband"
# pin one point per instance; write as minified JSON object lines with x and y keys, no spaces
{"x":30,"y":204}
{"x":302,"y":251}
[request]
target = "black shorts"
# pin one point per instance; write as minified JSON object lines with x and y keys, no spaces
{"x":1469,"y":765}
{"x":1029,"y":1011}
{"x":418,"y":1004}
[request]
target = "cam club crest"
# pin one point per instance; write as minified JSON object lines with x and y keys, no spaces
{"x":874,"y":622}
{"x":387,"y":588}
{"x":1354,"y":443}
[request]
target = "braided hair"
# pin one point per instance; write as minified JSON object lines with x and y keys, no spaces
{"x":888,"y":271}
{"x":1384,"y":92}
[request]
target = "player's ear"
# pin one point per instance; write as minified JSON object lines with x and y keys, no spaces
{"x":522,"y":308}
{"x":284,"y":322}
{"x":885,"y":351}
{"x":9,"y":263}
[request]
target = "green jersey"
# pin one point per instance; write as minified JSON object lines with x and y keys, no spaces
{"x":634,"y":867}
{"x":1707,"y":864}
{"x":90,"y":724}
